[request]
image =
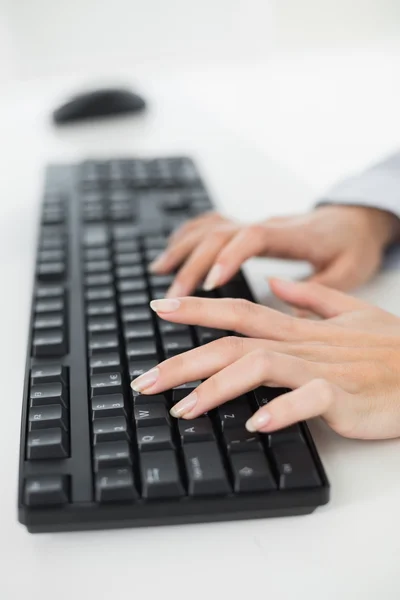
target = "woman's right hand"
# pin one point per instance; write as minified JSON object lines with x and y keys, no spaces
{"x":344,"y":244}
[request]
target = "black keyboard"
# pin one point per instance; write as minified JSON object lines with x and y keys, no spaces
{"x":94,"y":454}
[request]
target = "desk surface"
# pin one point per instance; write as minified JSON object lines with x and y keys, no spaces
{"x":276,"y":156}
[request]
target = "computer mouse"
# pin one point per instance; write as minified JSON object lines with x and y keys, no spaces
{"x":98,"y":103}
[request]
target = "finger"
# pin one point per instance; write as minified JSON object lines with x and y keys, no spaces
{"x":343,"y":274}
{"x":240,"y":316}
{"x":248,"y":372}
{"x":316,"y":398}
{"x":200,"y":221}
{"x":199,"y":262}
{"x":173,"y":256}
{"x":321,"y":300}
{"x":193,"y":365}
{"x":248,"y":242}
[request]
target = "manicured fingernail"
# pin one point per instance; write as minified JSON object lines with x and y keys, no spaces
{"x":146,"y":380}
{"x":176,"y":289}
{"x":258,"y":421}
{"x":165,"y":305}
{"x":184,"y":406}
{"x":213,"y":278}
{"x":158,"y":263}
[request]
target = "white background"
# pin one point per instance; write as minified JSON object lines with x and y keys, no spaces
{"x":276,"y":100}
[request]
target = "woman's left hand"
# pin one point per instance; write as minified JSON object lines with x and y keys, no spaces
{"x":344,"y":368}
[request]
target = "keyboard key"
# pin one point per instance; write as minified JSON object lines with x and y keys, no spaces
{"x":168,"y":327}
{"x":130,"y":271}
{"x":140,"y":400}
{"x":125,"y":232}
{"x":139,"y":367}
{"x":295,"y":466}
{"x":175,"y":343}
{"x":108,"y":406}
{"x":205,"y":471}
{"x":51,"y":271}
{"x":48,"y":373}
{"x":106,"y":383}
{"x":139,"y":299}
{"x":102,"y":324}
{"x":160,"y":475}
{"x":115,"y":485}
{"x":99,"y":279}
{"x":126,"y":246}
{"x":136,"y":314}
{"x":152,"y":254}
{"x":128,"y":258}
{"x":131,"y":285}
{"x":97,"y":266}
{"x":51,"y":243}
{"x":240,"y":440}
{"x":49,"y":321}
{"x":112,"y":429}
{"x":111,"y":454}
{"x":181,"y":391}
{"x":46,"y":256}
{"x":161,"y":280}
{"x":104,"y":363}
{"x":234,"y":414}
{"x":158,"y":242}
{"x":99,"y":342}
{"x":48,"y":393}
{"x":50,"y":305}
{"x":49,"y":291}
{"x":196,"y":430}
{"x":52,"y":415}
{"x":99,"y":293}
{"x":47,"y":444}
{"x":46,"y":490}
{"x":97,"y":254}
{"x":151,"y":413}
{"x":94,"y":309}
{"x":145,"y":349}
{"x":207,"y":334}
{"x":95,"y":236}
{"x":264,"y":394}
{"x":155,"y":438}
{"x":139,"y":331}
{"x":283,"y":436}
{"x":251,"y":472}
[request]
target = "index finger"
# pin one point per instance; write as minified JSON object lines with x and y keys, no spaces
{"x":240,"y":316}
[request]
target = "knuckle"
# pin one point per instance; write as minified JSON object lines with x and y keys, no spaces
{"x":325,"y":391}
{"x":232,"y":343}
{"x":218,"y":235}
{"x":241,"y":309}
{"x":257,"y":230}
{"x":261,"y":361}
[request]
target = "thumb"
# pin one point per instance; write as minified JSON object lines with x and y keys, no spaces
{"x":341,"y":274}
{"x":318,"y":298}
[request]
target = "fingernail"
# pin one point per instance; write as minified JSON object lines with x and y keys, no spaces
{"x":165,"y":305}
{"x":158,"y":263}
{"x":258,"y":421}
{"x":146,"y":380}
{"x":184,"y":406}
{"x":213,"y":278}
{"x":176,"y":289}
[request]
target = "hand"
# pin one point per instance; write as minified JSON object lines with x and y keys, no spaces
{"x":344,"y":368}
{"x":344,"y":244}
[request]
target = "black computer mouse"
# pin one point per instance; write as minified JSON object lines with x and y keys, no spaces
{"x":99,"y":103}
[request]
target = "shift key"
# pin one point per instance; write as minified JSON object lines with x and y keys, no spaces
{"x":295,"y":466}
{"x":205,"y":472}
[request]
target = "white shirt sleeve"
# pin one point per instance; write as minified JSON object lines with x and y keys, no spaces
{"x":377,"y":187}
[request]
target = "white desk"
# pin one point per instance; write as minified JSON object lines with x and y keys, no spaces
{"x":349,"y":549}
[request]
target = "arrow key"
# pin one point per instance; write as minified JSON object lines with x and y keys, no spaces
{"x":251,"y":472}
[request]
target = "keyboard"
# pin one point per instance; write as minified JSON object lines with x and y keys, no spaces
{"x":94,"y":454}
